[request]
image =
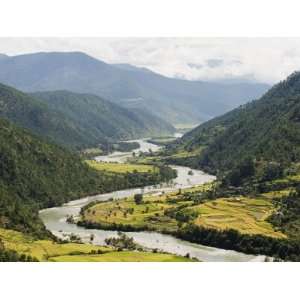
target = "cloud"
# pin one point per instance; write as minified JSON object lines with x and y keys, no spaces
{"x":262,"y":59}
{"x":214,"y":63}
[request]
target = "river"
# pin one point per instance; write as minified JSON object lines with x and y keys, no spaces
{"x":55,"y":218}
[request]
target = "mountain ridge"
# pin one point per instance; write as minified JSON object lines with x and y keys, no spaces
{"x":174,"y":100}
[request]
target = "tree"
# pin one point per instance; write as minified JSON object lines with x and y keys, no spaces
{"x":138,"y":198}
{"x":92,"y":236}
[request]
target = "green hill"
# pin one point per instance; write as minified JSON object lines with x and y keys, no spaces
{"x":27,"y":112}
{"x":267,"y":129}
{"x":101,"y":120}
{"x":74,"y":120}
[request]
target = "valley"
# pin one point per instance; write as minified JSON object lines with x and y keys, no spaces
{"x":100,"y":162}
{"x":55,"y":219}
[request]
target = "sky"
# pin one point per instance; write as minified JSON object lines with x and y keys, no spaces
{"x":266,"y":60}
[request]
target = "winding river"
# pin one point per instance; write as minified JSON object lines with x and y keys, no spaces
{"x":55,"y":218}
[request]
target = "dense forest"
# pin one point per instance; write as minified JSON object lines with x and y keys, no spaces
{"x":35,"y":174}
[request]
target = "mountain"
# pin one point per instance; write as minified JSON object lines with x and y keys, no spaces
{"x":74,"y":120}
{"x":102,"y":120}
{"x":174,"y":100}
{"x":267,"y":129}
{"x":32,"y":114}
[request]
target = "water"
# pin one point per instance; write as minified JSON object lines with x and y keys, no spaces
{"x":55,"y":218}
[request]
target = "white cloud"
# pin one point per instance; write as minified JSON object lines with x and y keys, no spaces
{"x":263,"y":59}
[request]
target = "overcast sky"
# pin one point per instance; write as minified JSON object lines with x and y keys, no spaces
{"x":261,"y":59}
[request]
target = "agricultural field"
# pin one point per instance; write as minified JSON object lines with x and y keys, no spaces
{"x":167,"y":212}
{"x":123,"y":256}
{"x":46,"y":250}
{"x":121,"y":167}
{"x":246,"y":215}
{"x":150,"y":213}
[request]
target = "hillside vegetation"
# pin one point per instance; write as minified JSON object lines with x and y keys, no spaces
{"x":76,"y":121}
{"x":35,"y":174}
{"x":102,"y":121}
{"x":267,"y":129}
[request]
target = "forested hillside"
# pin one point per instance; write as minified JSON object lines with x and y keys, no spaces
{"x":35,"y":174}
{"x":267,"y":129}
{"x":101,"y":120}
{"x":27,"y":112}
{"x":74,"y":120}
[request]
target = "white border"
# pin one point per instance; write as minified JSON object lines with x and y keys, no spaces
{"x":123,"y":18}
{"x":141,"y":18}
{"x":149,"y":281}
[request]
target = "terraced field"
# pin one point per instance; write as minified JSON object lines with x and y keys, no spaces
{"x":46,"y":250}
{"x":121,"y":167}
{"x":246,"y":215}
{"x":167,"y":212}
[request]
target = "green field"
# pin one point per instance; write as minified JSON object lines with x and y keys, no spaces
{"x":43,"y":249}
{"x":247,"y":215}
{"x":123,"y":256}
{"x":46,"y":250}
{"x":121,"y":167}
{"x":244,"y":214}
{"x":147,"y":214}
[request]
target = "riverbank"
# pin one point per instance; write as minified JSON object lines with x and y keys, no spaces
{"x":55,"y":218}
{"x":233,"y":223}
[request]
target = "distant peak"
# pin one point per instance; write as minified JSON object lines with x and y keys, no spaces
{"x":130,"y":67}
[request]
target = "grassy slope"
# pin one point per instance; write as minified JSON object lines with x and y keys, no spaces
{"x":46,"y":250}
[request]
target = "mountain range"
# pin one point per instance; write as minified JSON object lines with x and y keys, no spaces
{"x":173,"y":100}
